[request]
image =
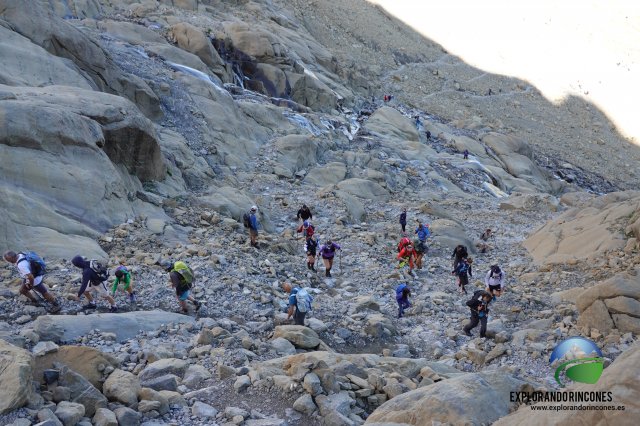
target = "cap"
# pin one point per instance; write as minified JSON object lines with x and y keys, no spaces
{"x":305,"y":223}
{"x":167,"y":265}
{"x":254,"y":208}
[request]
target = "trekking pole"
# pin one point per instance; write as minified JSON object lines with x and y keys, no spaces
{"x":340,"y":261}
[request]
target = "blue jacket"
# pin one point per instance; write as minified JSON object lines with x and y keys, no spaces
{"x":423,"y":232}
{"x":253,"y":222}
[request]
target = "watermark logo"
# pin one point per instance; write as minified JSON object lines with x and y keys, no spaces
{"x":580,"y":360}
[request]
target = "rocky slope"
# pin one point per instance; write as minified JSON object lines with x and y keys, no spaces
{"x":142,"y":131}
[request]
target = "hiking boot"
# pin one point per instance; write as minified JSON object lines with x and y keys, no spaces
{"x":114,"y":308}
{"x":55,"y":308}
{"x":197,"y":305}
{"x":467,"y":333}
{"x":132,"y":298}
{"x":327,"y":274}
{"x":90,"y":305}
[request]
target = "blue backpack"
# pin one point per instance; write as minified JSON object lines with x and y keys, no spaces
{"x":36,"y":263}
{"x":399,"y":290}
{"x":463,"y":268}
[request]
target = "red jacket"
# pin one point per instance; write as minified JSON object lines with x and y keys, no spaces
{"x":307,"y":232}
{"x":411,"y":255}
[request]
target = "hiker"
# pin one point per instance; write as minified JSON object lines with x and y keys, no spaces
{"x":311,"y":248}
{"x":428,"y":135}
{"x":403,"y":219}
{"x":304,"y":213}
{"x":251,"y":222}
{"x":307,"y":229}
{"x":420,"y":248}
{"x":404,"y":241}
{"x":181,"y":277}
{"x":465,"y":154}
{"x":479,"y":306}
{"x":494,"y":281}
{"x":402,"y":297}
{"x":94,"y":275}
{"x":299,"y":303}
{"x":407,"y":256}
{"x":328,"y":251}
{"x":459,"y":253}
{"x":123,"y":276}
{"x":32,"y":269}
{"x":463,"y":272}
{"x":418,"y":121}
{"x":488,"y":233}
{"x":423,"y":231}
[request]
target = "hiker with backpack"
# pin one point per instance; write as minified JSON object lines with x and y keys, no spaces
{"x":420,"y":249}
{"x":250,"y":221}
{"x":403,"y":219}
{"x":422,"y":231}
{"x":463,"y":272}
{"x":299,"y":303}
{"x":407,"y":256}
{"x":494,"y":281}
{"x":123,"y":275}
{"x":404,"y":241}
{"x":181,"y":277}
{"x":311,"y":247}
{"x":402,"y":297}
{"x":479,"y":306}
{"x":328,"y":252}
{"x":459,"y":253}
{"x":94,"y":275}
{"x":32,"y":269}
{"x":304,"y":213}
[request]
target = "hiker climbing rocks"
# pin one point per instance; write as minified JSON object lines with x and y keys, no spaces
{"x":32,"y":269}
{"x":404,"y":241}
{"x":403,"y":219}
{"x":402,"y":297}
{"x":94,"y":275}
{"x":479,"y":306}
{"x":459,"y":253}
{"x":420,"y":248}
{"x":251,"y":222}
{"x":311,"y":248}
{"x":494,"y":281}
{"x":304,"y":213}
{"x":463,"y":272}
{"x":328,"y":252}
{"x":488,"y":233}
{"x":422,"y":231}
{"x":299,"y":303}
{"x":123,"y":275}
{"x":181,"y":277}
{"x":428,"y":135}
{"x":407,"y":256}
{"x":465,"y":154}
{"x":307,"y":229}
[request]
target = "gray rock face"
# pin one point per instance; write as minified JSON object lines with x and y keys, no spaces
{"x":82,"y":392}
{"x":69,"y":413}
{"x":60,"y":328}
{"x":15,"y":375}
{"x":163,"y":367}
{"x":122,"y":386}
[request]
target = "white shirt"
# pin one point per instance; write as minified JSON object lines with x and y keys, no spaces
{"x":24,"y":268}
{"x":495,"y":280}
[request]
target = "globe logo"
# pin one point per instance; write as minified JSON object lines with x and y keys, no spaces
{"x":580,"y":360}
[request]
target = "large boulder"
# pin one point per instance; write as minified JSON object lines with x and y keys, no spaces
{"x":389,"y":122}
{"x":81,"y":390}
{"x":586,"y":232}
{"x":193,"y":40}
{"x":65,"y":328}
{"x":95,"y":138}
{"x":163,"y":367}
{"x":329,"y":174}
{"x":613,"y":303}
{"x":621,"y":378}
{"x":250,"y":41}
{"x":363,"y":188}
{"x":310,"y":91}
{"x":301,"y":336}
{"x":474,"y":398}
{"x":122,"y":386}
{"x":15,"y":375}
{"x":297,"y":151}
{"x":450,"y":233}
{"x":85,"y":361}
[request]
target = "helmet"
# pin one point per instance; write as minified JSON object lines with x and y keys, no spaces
{"x":305,"y":223}
{"x":78,"y":261}
{"x":495,"y":269}
{"x":254,"y":208}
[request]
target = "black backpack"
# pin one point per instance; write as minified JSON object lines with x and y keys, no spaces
{"x":246,"y":219}
{"x":100,"y":270}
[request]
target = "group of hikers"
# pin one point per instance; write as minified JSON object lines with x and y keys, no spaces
{"x":32,"y":269}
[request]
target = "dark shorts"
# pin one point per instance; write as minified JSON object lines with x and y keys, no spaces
{"x":311,"y":252}
{"x":40,"y":288}
{"x":253,"y":232}
{"x":464,"y":279}
{"x":420,"y":247}
{"x":494,"y":287}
